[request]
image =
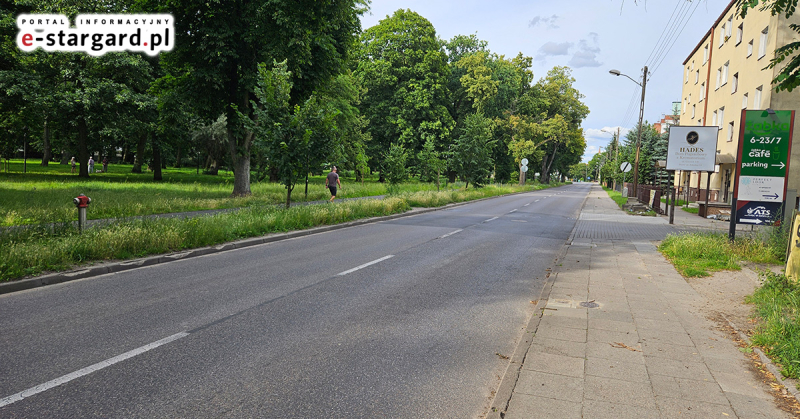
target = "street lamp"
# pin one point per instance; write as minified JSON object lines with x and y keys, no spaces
{"x":643,"y":84}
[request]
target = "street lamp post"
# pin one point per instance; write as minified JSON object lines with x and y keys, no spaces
{"x":639,"y":136}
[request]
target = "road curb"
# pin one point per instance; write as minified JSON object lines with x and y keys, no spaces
{"x":120,"y":266}
{"x":789,"y":384}
{"x":502,"y":397}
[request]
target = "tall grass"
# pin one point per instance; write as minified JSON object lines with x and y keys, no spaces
{"x":28,"y":253}
{"x":58,"y":246}
{"x":777,"y":304}
{"x":699,"y":254}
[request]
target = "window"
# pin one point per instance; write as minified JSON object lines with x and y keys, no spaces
{"x":729,"y":28}
{"x":689,"y":100}
{"x":719,"y":77}
{"x":739,"y":34}
{"x":725,"y":73}
{"x":762,"y":45}
{"x":692,"y":68}
{"x":693,"y":106}
{"x":696,"y":76}
{"x":757,"y":98}
{"x":730,"y":131}
{"x":744,"y":101}
{"x":721,"y":116}
{"x":714,"y":118}
{"x":700,"y":121}
{"x":722,"y":36}
{"x":705,"y":54}
{"x":735,"y":84}
{"x":702,"y":91}
{"x":750,"y":48}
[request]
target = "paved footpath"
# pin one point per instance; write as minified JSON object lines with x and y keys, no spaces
{"x":640,"y":349}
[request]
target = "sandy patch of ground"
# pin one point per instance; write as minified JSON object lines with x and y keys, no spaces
{"x":725,"y":294}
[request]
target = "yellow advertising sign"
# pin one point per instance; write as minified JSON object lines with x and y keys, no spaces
{"x":793,"y":260}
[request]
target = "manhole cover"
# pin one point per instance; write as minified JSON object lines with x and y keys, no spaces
{"x":589,"y":304}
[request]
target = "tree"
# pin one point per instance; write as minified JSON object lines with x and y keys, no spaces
{"x":472,"y":152}
{"x":430,"y":163}
{"x":789,"y":76}
{"x":402,"y":65}
{"x":395,"y":163}
{"x":286,"y":131}
{"x":220,"y":44}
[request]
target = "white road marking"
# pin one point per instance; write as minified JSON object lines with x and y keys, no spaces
{"x":512,"y":211}
{"x":451,"y":233}
{"x":88,"y":370}
{"x":365,"y":265}
{"x":537,"y":200}
{"x":491,"y":219}
{"x":526,"y":204}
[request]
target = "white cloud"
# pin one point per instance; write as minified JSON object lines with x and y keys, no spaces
{"x":586,"y":56}
{"x":550,"y":22}
{"x":605,"y":132}
{"x":552,"y":49}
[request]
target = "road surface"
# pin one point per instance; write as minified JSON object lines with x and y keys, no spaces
{"x":404,"y":318}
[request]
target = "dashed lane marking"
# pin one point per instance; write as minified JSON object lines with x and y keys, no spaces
{"x":365,"y":265}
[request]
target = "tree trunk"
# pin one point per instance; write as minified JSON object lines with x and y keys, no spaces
{"x":288,"y":197}
{"x":156,"y":160}
{"x":47,"y":152}
{"x":178,"y":159}
{"x":83,"y":150}
{"x":241,"y":171}
{"x":139,"y":158}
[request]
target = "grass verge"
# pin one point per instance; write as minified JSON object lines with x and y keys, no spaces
{"x":31,"y":251}
{"x":621,"y":200}
{"x":131,"y":239}
{"x":777,"y":304}
{"x":700,"y":254}
{"x":691,"y":210}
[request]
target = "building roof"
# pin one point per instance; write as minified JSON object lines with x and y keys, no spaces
{"x":703,"y":39}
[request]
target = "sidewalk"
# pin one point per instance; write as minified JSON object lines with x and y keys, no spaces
{"x":620,"y":336}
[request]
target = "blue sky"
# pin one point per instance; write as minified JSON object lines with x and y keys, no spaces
{"x":590,"y":36}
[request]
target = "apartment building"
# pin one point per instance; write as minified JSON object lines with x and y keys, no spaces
{"x":726,"y":73}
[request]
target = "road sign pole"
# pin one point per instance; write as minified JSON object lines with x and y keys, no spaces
{"x":708,"y":191}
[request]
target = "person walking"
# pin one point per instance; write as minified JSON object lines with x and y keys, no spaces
{"x":72,"y":162}
{"x":331,"y":181}
{"x":105,"y":165}
{"x":91,"y":164}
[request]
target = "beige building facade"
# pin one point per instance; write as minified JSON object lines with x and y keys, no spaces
{"x":726,"y":73}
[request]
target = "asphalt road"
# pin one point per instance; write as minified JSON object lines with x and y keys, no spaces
{"x":295,"y":328}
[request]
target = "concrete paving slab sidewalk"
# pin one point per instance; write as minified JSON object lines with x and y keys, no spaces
{"x":619,"y":338}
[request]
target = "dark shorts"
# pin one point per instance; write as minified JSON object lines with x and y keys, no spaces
{"x":333,"y":190}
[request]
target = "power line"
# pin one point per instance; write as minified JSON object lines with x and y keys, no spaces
{"x":671,"y":33}
{"x":676,"y":38}
{"x":663,"y":31}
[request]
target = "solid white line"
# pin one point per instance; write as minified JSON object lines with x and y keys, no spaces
{"x":451,"y":233}
{"x":537,"y":200}
{"x":493,"y":218}
{"x":365,"y":265}
{"x":88,"y":370}
{"x":526,"y":204}
{"x":514,"y":210}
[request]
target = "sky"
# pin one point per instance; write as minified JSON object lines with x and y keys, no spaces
{"x":591,"y":37}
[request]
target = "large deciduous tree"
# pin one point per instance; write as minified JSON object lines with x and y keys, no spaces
{"x":402,"y":64}
{"x":222,"y":42}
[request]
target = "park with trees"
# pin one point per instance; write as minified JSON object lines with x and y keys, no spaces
{"x":257,"y":98}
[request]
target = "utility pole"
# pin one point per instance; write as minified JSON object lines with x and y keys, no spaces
{"x":639,"y":136}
